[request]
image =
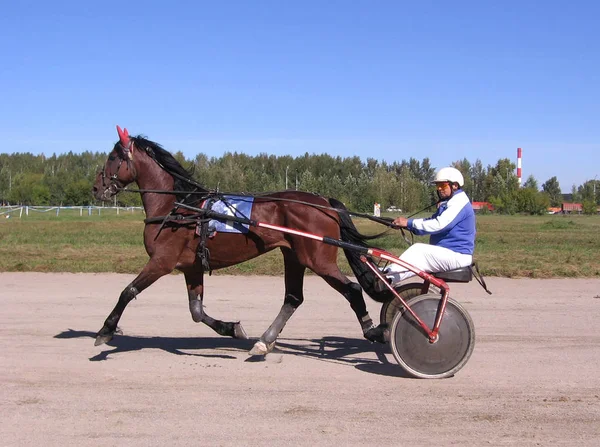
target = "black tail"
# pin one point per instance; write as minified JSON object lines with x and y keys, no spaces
{"x":365,"y":276}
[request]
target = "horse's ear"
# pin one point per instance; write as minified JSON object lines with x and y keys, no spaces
{"x":123,"y":137}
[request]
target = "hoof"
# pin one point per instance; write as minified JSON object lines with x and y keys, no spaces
{"x":239,"y":332}
{"x":377,"y":334}
{"x":261,"y":348}
{"x":102,"y":338}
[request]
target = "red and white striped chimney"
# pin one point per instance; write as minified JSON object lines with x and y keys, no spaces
{"x":519,"y":166}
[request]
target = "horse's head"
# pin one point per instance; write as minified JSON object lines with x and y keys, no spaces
{"x":119,"y":169}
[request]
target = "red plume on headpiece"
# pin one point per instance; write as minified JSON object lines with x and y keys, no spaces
{"x":124,"y":137}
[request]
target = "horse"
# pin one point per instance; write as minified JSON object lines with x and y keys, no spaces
{"x":173,"y":241}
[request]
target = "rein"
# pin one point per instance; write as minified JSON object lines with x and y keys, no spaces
{"x":387,"y":221}
{"x":382,"y":220}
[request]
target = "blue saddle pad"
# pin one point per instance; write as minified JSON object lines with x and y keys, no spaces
{"x":238,"y":206}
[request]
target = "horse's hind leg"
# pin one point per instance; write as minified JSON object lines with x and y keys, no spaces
{"x":149,"y":274}
{"x":195,"y":286}
{"x":353,"y":293}
{"x":294,"y":281}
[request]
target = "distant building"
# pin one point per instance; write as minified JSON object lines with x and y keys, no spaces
{"x":574,"y":208}
{"x":478,"y":206}
{"x":571,"y":208}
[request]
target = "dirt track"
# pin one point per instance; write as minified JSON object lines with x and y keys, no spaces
{"x":533,"y":378}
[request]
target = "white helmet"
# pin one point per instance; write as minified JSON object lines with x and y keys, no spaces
{"x":451,"y":175}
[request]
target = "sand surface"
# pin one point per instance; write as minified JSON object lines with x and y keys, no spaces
{"x":533,"y":378}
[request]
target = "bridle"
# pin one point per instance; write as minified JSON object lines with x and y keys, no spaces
{"x":114,"y":184}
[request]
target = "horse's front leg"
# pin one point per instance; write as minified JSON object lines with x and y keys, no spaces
{"x":294,"y":280}
{"x":195,"y":286}
{"x":149,"y":274}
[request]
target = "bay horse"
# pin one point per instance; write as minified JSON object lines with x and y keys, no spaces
{"x":173,"y":244}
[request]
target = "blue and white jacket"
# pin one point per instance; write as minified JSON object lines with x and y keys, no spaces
{"x":452,"y":226}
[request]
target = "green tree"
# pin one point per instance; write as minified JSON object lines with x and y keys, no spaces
{"x":530,"y":201}
{"x":574,"y":194}
{"x":5,"y":178}
{"x":502,"y":198}
{"x":335,"y":187}
{"x":366,"y":194}
{"x":40,"y":195}
{"x":589,"y":206}
{"x":67,"y":178}
{"x":308,"y":182}
{"x":79,"y":193}
{"x":465,"y":169}
{"x":531,"y":183}
{"x":26,"y":189}
{"x":427,"y":171}
{"x":478,"y":176}
{"x":552,"y":188}
{"x":586,"y":191}
{"x":351,"y":191}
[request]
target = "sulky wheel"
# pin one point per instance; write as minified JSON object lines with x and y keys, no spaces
{"x":450,"y":352}
{"x":391,"y":308}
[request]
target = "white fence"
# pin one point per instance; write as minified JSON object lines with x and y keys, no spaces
{"x":20,"y":211}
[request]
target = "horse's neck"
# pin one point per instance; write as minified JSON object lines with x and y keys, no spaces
{"x":151,"y":176}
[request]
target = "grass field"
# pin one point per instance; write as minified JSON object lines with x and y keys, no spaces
{"x":509,"y":246}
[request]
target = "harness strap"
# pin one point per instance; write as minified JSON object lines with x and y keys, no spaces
{"x":203,"y":252}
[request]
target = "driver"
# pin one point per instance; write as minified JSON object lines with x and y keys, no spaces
{"x":451,"y":230}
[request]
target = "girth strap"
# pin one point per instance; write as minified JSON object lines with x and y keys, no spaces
{"x":203,"y":252}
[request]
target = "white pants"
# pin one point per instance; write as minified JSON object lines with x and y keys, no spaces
{"x":429,"y":258}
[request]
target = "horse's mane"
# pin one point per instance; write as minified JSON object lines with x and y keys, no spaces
{"x":169,"y":164}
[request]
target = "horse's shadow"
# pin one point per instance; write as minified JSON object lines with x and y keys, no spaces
{"x":332,"y":349}
{"x":172,"y":345}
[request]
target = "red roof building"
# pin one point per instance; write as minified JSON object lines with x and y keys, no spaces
{"x":477,"y":206}
{"x":572,"y":208}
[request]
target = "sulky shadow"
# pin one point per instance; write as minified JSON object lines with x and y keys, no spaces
{"x":349,"y":351}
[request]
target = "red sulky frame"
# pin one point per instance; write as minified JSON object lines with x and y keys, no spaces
{"x":432,"y":333}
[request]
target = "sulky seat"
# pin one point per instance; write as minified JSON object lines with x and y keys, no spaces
{"x":463,"y":274}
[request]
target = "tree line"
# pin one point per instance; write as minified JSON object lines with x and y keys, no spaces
{"x":67,"y":179}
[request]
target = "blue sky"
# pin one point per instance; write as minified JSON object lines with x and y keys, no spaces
{"x":384,"y":79}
